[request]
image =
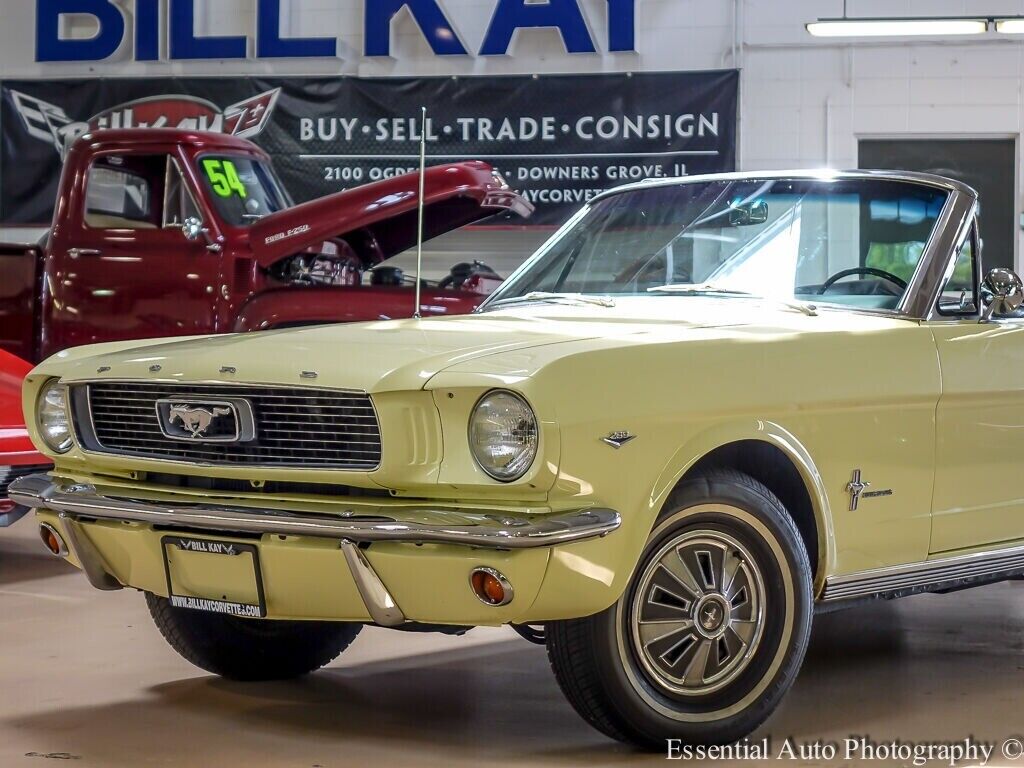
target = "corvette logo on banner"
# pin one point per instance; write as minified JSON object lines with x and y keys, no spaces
{"x":49,"y":122}
{"x":558,"y":139}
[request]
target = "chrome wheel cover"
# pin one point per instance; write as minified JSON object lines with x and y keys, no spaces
{"x":698,"y":612}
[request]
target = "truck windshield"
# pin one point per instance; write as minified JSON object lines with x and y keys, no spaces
{"x":855,"y":242}
{"x":242,"y":188}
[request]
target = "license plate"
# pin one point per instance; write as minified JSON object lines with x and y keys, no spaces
{"x":214,"y":576}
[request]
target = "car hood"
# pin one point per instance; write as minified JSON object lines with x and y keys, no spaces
{"x":406,"y":354}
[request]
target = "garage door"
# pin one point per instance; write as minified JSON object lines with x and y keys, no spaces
{"x":988,"y":165}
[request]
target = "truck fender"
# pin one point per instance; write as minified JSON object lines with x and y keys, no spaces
{"x":289,"y":307}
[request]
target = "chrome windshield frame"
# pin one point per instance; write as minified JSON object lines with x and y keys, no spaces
{"x":924,"y":286}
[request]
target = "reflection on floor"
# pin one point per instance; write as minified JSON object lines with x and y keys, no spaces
{"x":84,"y":675}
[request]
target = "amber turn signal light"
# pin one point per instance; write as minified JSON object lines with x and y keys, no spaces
{"x":490,"y":586}
{"x":52,"y":540}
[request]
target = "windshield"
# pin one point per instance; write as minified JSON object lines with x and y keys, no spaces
{"x":852,"y":242}
{"x":242,"y":188}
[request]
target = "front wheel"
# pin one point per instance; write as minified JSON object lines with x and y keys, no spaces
{"x":712,"y":629}
{"x":250,"y":649}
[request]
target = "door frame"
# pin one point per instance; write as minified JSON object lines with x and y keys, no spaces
{"x":1018,"y":231}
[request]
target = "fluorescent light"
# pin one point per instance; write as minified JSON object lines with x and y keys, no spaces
{"x":1010,"y":26}
{"x":904,"y":27}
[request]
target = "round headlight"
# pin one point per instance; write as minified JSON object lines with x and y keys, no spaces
{"x":52,"y":417}
{"x":503,"y":435}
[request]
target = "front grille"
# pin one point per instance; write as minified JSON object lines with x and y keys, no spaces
{"x":295,"y":426}
{"x":9,"y":474}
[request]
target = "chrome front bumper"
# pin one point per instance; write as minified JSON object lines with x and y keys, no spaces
{"x":495,"y":530}
{"x":78,"y":503}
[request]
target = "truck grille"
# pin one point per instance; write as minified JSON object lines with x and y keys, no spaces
{"x":295,"y":426}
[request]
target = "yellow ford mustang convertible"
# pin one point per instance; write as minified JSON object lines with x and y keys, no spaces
{"x":706,"y":408}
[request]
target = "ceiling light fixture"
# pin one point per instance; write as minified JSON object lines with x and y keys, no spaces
{"x":901,"y":27}
{"x":1011,"y":25}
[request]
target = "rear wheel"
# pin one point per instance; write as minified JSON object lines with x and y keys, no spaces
{"x":712,"y":629}
{"x":250,"y":649}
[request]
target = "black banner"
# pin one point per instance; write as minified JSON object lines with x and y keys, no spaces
{"x":559,"y":139}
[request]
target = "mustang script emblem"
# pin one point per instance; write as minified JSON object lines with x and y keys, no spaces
{"x":196,"y":421}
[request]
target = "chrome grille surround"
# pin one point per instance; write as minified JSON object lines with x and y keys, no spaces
{"x":296,"y":426}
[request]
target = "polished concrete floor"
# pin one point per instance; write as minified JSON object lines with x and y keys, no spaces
{"x":85,"y":678}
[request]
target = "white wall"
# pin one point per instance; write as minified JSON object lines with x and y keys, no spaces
{"x":805,"y":100}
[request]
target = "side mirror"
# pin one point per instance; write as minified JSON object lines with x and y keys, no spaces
{"x":192,"y":229}
{"x":746,"y":214}
{"x":1005,"y":292}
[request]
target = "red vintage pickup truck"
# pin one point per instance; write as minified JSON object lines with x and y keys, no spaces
{"x":161,"y":232}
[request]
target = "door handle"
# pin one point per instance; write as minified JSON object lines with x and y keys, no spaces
{"x":74,"y":253}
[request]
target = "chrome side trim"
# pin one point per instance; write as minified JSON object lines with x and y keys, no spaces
{"x":78,"y":544}
{"x":489,"y":530}
{"x":381,"y":605}
{"x":950,"y":229}
{"x":945,"y":235}
{"x":968,"y":234}
{"x":922,"y":576}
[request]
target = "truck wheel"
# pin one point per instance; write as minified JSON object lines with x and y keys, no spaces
{"x":250,"y":649}
{"x":711,"y":630}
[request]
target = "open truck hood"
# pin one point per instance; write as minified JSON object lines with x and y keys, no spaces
{"x":379,"y":220}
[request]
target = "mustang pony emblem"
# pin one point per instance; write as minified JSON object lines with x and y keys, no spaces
{"x":711,"y":618}
{"x":858,"y":489}
{"x":855,"y":488}
{"x":196,"y":421}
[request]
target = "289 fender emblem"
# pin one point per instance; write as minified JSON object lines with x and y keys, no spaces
{"x":618,"y":439}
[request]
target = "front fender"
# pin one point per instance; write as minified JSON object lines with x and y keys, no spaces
{"x":588,"y":577}
{"x":721,"y":435}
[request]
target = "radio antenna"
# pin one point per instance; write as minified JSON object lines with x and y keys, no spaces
{"x":419,"y":225}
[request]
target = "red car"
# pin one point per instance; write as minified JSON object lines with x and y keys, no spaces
{"x":164,"y":232}
{"x":17,"y":456}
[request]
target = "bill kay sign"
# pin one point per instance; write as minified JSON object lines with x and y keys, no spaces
{"x":174,"y":21}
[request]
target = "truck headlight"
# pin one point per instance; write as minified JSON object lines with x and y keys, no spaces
{"x":52,"y":416}
{"x":503,"y":435}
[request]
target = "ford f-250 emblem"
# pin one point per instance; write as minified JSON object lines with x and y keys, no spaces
{"x":208,"y":421}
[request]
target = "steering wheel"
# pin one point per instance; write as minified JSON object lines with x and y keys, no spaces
{"x":897,"y":281}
